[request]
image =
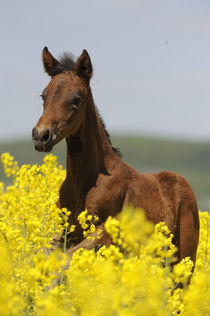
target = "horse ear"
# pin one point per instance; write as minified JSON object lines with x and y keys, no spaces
{"x":83,"y":66}
{"x":49,"y":62}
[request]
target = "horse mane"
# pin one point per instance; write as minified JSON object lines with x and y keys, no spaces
{"x":67,"y":63}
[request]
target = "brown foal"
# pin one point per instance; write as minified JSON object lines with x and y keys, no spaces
{"x":97,"y":179}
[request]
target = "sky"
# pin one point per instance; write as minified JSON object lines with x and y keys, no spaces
{"x":151,"y":62}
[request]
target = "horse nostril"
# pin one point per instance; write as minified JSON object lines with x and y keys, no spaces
{"x":45,"y":135}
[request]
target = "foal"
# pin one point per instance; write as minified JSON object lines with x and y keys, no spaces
{"x":97,"y":179}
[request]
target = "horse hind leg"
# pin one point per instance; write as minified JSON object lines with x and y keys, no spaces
{"x":187,"y":235}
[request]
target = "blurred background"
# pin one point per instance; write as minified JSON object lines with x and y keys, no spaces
{"x":151,"y":80}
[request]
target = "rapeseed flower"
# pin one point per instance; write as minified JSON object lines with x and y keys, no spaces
{"x":131,"y":277}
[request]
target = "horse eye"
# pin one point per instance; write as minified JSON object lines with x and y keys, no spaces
{"x":76,"y":102}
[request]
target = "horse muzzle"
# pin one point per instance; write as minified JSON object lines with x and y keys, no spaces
{"x":43,"y":139}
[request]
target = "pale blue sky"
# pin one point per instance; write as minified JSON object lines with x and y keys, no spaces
{"x":151,"y":62}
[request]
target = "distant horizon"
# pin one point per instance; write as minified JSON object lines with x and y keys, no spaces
{"x":129,"y":134}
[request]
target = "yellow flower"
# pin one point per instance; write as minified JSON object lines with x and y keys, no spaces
{"x":131,"y":277}
{"x":87,"y":223}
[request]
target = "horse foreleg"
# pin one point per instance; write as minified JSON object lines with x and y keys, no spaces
{"x":94,"y":241}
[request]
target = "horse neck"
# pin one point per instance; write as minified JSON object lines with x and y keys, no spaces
{"x":88,"y":152}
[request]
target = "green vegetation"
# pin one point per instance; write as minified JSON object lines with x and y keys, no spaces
{"x":190,"y":159}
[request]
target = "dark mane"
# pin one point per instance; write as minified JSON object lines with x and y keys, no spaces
{"x":67,"y":62}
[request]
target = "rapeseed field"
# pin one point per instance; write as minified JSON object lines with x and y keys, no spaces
{"x":131,"y":277}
